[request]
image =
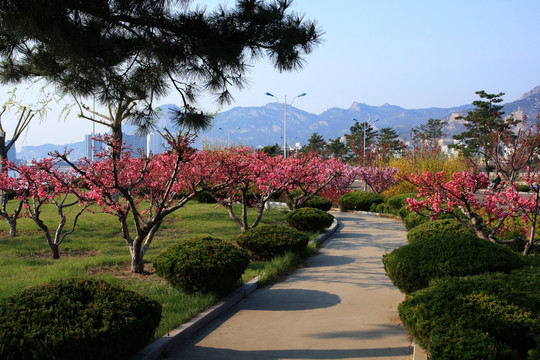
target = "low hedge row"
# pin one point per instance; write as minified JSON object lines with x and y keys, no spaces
{"x":316,"y":201}
{"x":467,"y":298}
{"x":76,"y":319}
{"x":359,"y":201}
{"x":202,"y":264}
{"x":490,"y":316}
{"x":411,"y":267}
{"x":309,"y":219}
{"x":449,"y":227}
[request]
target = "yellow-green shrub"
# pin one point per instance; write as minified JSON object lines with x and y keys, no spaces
{"x":420,"y":163}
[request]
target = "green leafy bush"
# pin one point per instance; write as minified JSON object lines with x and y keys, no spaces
{"x":202,"y":264}
{"x":359,"y":200}
{"x":76,"y":319}
{"x":398,"y":201}
{"x":523,"y":188}
{"x":266,"y":241}
{"x":309,"y":219}
{"x":436,"y":228}
{"x":412,"y":219}
{"x":412,"y":266}
{"x":318,"y":202}
{"x":382,"y":208}
{"x":487,"y":316}
{"x":403,"y":212}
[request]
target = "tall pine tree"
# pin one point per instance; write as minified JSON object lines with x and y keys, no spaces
{"x":485,"y":120}
{"x":128,"y":53}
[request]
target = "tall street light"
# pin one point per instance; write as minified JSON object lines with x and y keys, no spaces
{"x":364,"y":128}
{"x":228,"y":134}
{"x":285,"y":118}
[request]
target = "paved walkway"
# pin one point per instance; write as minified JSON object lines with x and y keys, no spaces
{"x":340,"y":306}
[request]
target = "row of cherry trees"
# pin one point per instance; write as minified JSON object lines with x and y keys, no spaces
{"x":141,"y":191}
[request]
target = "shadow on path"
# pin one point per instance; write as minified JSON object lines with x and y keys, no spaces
{"x":223,"y":353}
{"x":292,"y":300}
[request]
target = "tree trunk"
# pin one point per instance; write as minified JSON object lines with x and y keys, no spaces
{"x":235,"y":218}
{"x":137,"y":265}
{"x":12,"y":227}
{"x":55,"y":251}
{"x":527,"y":248}
{"x":137,"y":258}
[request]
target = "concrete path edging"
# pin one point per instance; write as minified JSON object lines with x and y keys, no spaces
{"x":184,"y":331}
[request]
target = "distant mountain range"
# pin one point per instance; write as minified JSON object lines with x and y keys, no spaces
{"x":261,"y":126}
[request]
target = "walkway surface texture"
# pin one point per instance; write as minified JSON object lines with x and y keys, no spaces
{"x":340,"y":306}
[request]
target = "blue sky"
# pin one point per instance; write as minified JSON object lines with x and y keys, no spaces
{"x":414,"y":54}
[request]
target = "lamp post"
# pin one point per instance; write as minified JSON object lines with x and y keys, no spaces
{"x":285,"y":118}
{"x":364,"y":128}
{"x":228,"y":134}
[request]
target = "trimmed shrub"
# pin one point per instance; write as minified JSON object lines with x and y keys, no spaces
{"x":309,"y":219}
{"x":403,"y":212}
{"x":76,"y":319}
{"x":523,"y":188}
{"x":412,"y":266}
{"x":398,"y":201}
{"x":450,"y":227}
{"x":267,"y":241}
{"x":412,"y":219}
{"x":202,"y":264}
{"x":382,"y":208}
{"x":318,"y":202}
{"x":359,"y":200}
{"x":488,"y":316}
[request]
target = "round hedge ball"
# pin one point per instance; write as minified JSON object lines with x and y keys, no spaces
{"x":202,"y":264}
{"x":267,"y":241}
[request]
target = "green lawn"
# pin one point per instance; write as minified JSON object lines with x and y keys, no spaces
{"x":96,"y":248}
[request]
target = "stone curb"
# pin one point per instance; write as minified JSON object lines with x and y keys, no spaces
{"x":159,"y":347}
{"x":325,"y":235}
{"x":184,"y":331}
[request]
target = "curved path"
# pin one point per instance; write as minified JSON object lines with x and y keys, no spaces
{"x":340,"y":306}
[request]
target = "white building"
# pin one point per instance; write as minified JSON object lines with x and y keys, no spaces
{"x":155,"y":144}
{"x":150,"y":144}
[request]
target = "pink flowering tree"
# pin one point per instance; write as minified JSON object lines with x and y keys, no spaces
{"x":510,"y":203}
{"x":378,"y":179}
{"x":485,"y":213}
{"x":242,"y":177}
{"x":142,"y":189}
{"x":304,"y":176}
{"x":41,"y":183}
{"x":340,"y":185}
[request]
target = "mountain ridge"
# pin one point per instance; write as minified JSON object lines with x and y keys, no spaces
{"x":263,"y":125}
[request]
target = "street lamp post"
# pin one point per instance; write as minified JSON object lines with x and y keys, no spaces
{"x":285,"y":118}
{"x":228,"y":135}
{"x":364,"y":128}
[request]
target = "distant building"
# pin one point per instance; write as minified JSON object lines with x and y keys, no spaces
{"x":135,"y":143}
{"x":150,"y":144}
{"x":91,"y":146}
{"x":155,"y":144}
